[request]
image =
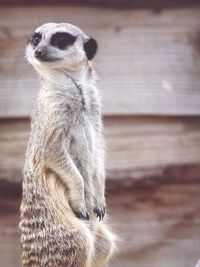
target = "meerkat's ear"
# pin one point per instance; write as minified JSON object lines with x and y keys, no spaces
{"x":90,"y":48}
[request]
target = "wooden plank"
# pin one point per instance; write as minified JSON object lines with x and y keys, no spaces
{"x":150,"y":142}
{"x":158,"y":227}
{"x":148,"y":62}
{"x":136,"y":147}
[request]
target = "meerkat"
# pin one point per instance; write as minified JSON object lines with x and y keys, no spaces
{"x":64,"y":176}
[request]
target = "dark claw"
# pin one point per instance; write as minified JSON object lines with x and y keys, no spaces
{"x":104,"y":211}
{"x":87,"y":216}
{"x":100,"y":213}
{"x":82,"y":216}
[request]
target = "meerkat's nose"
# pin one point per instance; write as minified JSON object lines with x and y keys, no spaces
{"x":40,"y":53}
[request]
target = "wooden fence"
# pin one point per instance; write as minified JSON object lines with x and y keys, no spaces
{"x":149,"y":65}
{"x":149,"y":76}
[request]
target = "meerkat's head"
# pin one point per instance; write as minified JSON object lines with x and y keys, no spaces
{"x":59,"y":46}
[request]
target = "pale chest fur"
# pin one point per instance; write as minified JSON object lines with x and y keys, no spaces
{"x":75,"y":111}
{"x":83,"y":133}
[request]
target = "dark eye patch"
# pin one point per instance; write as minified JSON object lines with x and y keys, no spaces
{"x":62,"y":40}
{"x":36,"y":38}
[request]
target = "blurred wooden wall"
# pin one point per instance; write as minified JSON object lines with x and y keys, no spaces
{"x":149,"y":68}
{"x":149,"y":76}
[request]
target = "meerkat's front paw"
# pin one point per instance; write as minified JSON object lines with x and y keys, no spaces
{"x":80,"y":211}
{"x":99,"y":209}
{"x":82,"y":216}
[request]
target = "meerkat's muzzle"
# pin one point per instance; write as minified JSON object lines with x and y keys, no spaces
{"x":42,"y":54}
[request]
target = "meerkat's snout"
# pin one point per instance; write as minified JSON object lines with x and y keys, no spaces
{"x":41,"y":53}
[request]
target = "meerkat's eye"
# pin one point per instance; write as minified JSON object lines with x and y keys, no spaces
{"x":62,"y":40}
{"x":36,"y":38}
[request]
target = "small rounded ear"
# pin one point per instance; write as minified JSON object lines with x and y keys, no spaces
{"x":90,"y":48}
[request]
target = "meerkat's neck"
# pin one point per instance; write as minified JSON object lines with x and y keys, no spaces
{"x":83,"y":74}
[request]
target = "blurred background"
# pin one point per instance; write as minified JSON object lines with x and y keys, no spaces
{"x":149,"y":77}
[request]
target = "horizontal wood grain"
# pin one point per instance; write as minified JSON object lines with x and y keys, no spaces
{"x":148,"y":62}
{"x":137,"y":147}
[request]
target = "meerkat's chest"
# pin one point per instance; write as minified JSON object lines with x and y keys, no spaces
{"x":86,"y":118}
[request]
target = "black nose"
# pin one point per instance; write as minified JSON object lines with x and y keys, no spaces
{"x":40,"y":53}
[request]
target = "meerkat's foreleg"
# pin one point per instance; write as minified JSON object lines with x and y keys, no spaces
{"x":62,"y":164}
{"x":89,"y":190}
{"x":99,"y":185}
{"x":99,"y":198}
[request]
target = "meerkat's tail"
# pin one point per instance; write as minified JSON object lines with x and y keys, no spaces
{"x":63,"y":214}
{"x":99,"y":240}
{"x":59,"y":199}
{"x":105,"y":245}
